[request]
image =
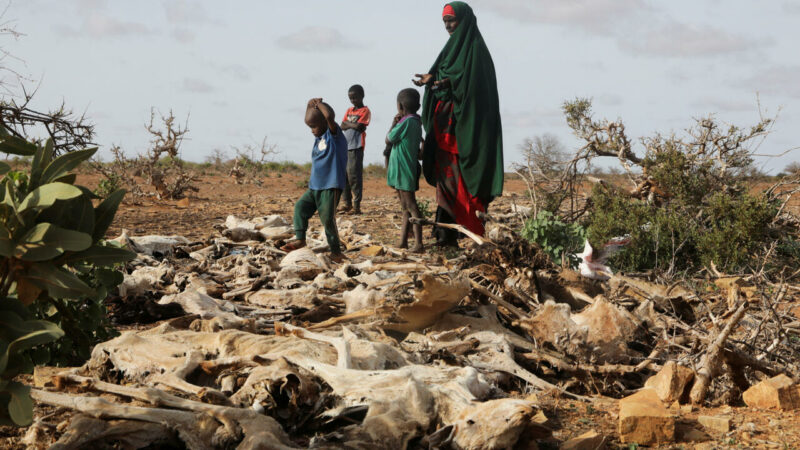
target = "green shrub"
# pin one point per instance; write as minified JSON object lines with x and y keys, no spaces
{"x":51,"y":253}
{"x":107,"y":185}
{"x":705,"y":214}
{"x":375,"y":171}
{"x":424,"y":206}
{"x":558,"y":239}
{"x":84,"y":320}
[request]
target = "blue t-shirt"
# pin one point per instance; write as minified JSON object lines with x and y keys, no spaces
{"x":329,"y":161}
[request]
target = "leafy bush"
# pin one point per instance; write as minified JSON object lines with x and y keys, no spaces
{"x":691,"y":205}
{"x":107,"y":185}
{"x":558,"y":239}
{"x":84,"y":320}
{"x":375,"y":170}
{"x":50,"y":246}
{"x":18,"y":333}
{"x":425,"y":208}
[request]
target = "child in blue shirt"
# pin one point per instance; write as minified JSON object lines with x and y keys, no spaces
{"x":328,"y":177}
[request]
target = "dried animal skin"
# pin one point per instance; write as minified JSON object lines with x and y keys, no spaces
{"x":435,"y":298}
{"x":362,"y":298}
{"x":196,"y":302}
{"x":146,"y":279}
{"x":302,"y":297}
{"x":553,"y":324}
{"x":610,"y":328}
{"x":304,"y":262}
{"x":158,"y":246}
{"x":87,"y":432}
{"x":494,"y":424}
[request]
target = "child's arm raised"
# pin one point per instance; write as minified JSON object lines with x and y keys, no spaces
{"x":329,"y":116}
{"x":326,"y":111}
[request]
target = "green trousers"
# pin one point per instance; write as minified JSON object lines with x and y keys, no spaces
{"x":324,"y":201}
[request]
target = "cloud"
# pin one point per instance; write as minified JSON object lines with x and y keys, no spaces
{"x":791,"y":8}
{"x":776,"y":80}
{"x":183,"y":35}
{"x":237,"y":71}
{"x":97,"y":24}
{"x":315,"y":39}
{"x":197,"y":86}
{"x":533,"y":119}
{"x":682,"y":40}
{"x":593,"y":16}
{"x":184,"y":12}
{"x":609,"y":99}
{"x":716,"y":104}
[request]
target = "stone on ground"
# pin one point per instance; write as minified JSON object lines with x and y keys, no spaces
{"x":644,"y":420}
{"x":779,"y":392}
{"x":720,"y":424}
{"x":591,"y":440}
{"x":670,"y":383}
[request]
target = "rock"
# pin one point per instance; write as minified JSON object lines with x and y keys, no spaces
{"x":43,"y":375}
{"x":688,"y":433}
{"x":671,"y":382}
{"x":720,"y":424}
{"x":644,"y":420}
{"x":372,"y":250}
{"x":591,"y":440}
{"x":779,"y":392}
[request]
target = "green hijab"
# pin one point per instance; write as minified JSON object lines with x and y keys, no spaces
{"x":466,"y":61}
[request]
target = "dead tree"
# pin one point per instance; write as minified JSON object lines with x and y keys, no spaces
{"x":250,"y":161}
{"x":162,"y":165}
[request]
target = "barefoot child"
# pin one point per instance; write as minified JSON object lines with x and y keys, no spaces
{"x":354,"y":124}
{"x":328,"y":163}
{"x":403,"y":169}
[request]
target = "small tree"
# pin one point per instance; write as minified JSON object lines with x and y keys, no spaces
{"x":688,"y":204}
{"x":545,"y":160}
{"x":251,"y":161}
{"x":161,"y":165}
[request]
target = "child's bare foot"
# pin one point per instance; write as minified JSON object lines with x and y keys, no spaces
{"x":419,"y":248}
{"x":345,"y":208}
{"x":402,"y":244}
{"x":293,"y":245}
{"x":338,"y":258}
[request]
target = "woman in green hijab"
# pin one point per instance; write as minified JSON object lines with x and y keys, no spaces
{"x":463,"y":149}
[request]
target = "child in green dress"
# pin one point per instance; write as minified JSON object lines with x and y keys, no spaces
{"x":403,"y":171}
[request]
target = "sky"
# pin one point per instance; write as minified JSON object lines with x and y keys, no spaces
{"x":243,"y":70}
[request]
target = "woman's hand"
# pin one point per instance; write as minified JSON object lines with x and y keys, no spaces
{"x":424,"y":79}
{"x":442,"y":84}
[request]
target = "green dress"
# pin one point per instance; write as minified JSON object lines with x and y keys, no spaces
{"x":403,"y":171}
